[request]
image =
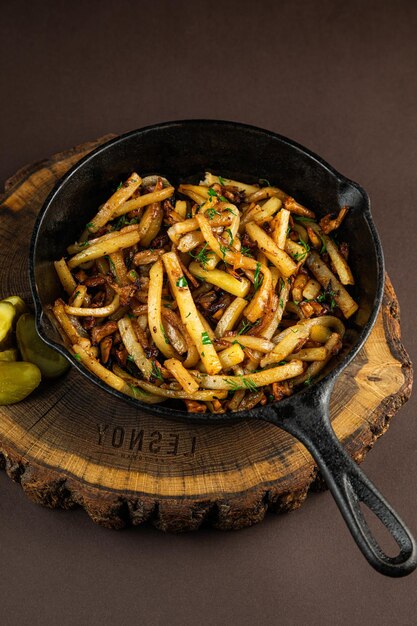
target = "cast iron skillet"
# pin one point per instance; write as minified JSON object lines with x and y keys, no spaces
{"x":183,"y":150}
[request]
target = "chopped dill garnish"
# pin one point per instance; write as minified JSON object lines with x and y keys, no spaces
{"x":300,"y":256}
{"x":182,"y":282}
{"x":205,"y":339}
{"x":299,"y":218}
{"x":202,"y":257}
{"x":156,"y":372}
{"x":246,"y":251}
{"x":164,"y":334}
{"x":223,"y":250}
{"x":112,"y":265}
{"x":247,"y":383}
{"x":211,"y":213}
{"x":229,"y":232}
{"x":257,"y":278}
{"x":247,"y":326}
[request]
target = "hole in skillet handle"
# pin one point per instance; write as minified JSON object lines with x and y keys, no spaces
{"x":307,"y":417}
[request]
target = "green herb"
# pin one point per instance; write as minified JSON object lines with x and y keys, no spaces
{"x":282,"y":363}
{"x":203,"y":354}
{"x":119,"y":186}
{"x":247,"y":383}
{"x":211,"y":213}
{"x":288,"y":230}
{"x":308,"y":381}
{"x":294,"y":330}
{"x":136,"y":390}
{"x":323,"y":248}
{"x":327,"y":297}
{"x":189,"y":314}
{"x":235,"y":342}
{"x":112,"y":265}
{"x":182,"y":282}
{"x":246,"y":251}
{"x":264,"y":182}
{"x":296,"y":302}
{"x":130,"y":358}
{"x":222,"y":181}
{"x":77,"y":356}
{"x":164,"y":334}
{"x":212,"y":193}
{"x":131,"y":316}
{"x":299,"y":218}
{"x":300,"y":256}
{"x":156,"y":372}
{"x":134,"y":274}
{"x":90,"y":225}
{"x":202,"y":257}
{"x":247,"y":326}
{"x":77,"y":293}
{"x":84,"y":244}
{"x":229,"y":210}
{"x":205,"y":339}
{"x":229,"y":232}
{"x":257,"y":279}
{"x":250,"y":384}
{"x":123,"y":221}
{"x":281,"y":303}
{"x":223,"y":250}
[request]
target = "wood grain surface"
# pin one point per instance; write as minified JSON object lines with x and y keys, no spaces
{"x":71,"y":444}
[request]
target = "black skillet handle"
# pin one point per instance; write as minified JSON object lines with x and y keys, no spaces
{"x":310,"y":423}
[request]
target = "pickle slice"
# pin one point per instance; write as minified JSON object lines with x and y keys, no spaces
{"x":7,"y":319}
{"x":17,"y":380}
{"x":33,"y":349}
{"x":18,"y":303}
{"x":9,"y":355}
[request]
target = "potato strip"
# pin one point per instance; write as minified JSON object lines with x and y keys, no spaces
{"x":105,"y":248}
{"x":134,"y":348}
{"x":102,"y":311}
{"x":156,"y":278}
{"x":182,"y":375}
{"x":189,"y":313}
{"x":327,"y":279}
{"x":118,"y":198}
{"x":65,"y":276}
{"x":252,"y":381}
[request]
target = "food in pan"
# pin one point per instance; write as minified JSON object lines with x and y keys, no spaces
{"x":224,"y":295}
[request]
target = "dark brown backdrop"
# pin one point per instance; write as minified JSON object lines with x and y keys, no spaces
{"x":337,"y":76}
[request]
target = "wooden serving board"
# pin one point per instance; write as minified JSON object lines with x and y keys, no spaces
{"x":70,"y":444}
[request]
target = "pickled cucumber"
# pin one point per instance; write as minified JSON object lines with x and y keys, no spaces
{"x":34,"y":350}
{"x":18,"y":303}
{"x":7,"y":320}
{"x":9,"y":355}
{"x":17,"y":380}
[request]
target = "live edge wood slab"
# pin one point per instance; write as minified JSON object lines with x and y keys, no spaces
{"x":70,"y":444}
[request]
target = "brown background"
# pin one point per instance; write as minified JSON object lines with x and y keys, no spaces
{"x":337,"y":76}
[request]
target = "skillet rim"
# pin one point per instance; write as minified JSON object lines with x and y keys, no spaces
{"x":162,"y":410}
